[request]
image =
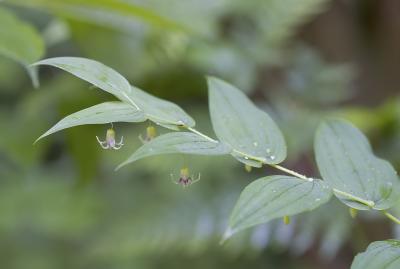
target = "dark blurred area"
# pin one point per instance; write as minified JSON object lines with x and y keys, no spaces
{"x":62,"y":205}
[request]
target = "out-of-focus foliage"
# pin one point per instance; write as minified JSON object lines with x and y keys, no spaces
{"x":62,"y":206}
{"x":20,"y":42}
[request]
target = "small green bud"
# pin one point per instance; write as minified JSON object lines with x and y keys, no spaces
{"x":353,"y":212}
{"x":151,"y":132}
{"x":248,"y":168}
{"x":286,"y":220}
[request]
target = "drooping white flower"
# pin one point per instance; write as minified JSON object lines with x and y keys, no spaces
{"x":110,"y":142}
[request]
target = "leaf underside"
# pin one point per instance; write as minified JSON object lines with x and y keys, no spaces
{"x":162,"y":112}
{"x":103,"y":113}
{"x":347,"y":163}
{"x":177,"y":142}
{"x":274,"y":197}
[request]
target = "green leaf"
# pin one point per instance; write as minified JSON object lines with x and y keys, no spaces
{"x":347,"y":163}
{"x":20,"y":42}
{"x":379,"y":255}
{"x":107,"y":112}
{"x":253,"y":135}
{"x":93,"y":72}
{"x":160,"y":111}
{"x":178,"y":142}
{"x":274,"y":197}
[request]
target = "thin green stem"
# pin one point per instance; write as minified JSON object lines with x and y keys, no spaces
{"x":355,"y":198}
{"x":250,"y":157}
{"x":131,"y":101}
{"x":391,"y":217}
{"x":201,"y":134}
{"x":288,"y":171}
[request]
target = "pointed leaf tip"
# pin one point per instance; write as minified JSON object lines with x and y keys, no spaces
{"x":227,"y":234}
{"x":103,"y":113}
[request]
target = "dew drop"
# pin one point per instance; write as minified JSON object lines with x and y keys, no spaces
{"x":272,"y":157}
{"x":255,"y":144}
{"x":268,"y":150}
{"x":274,"y":191}
{"x":318,"y":199}
{"x":246,"y":157}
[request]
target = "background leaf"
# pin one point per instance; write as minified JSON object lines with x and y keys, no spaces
{"x":178,"y":142}
{"x":239,"y":123}
{"x":273,"y":197}
{"x":107,"y":112}
{"x":279,"y":19}
{"x":346,"y":161}
{"x":20,"y":41}
{"x":379,"y":255}
{"x":104,"y":12}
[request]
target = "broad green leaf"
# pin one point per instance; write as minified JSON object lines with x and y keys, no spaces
{"x":160,"y":111}
{"x":347,"y":163}
{"x":274,"y":197}
{"x":20,"y":42}
{"x":252,"y":134}
{"x":379,"y":255}
{"x":178,"y":142}
{"x":99,"y":114}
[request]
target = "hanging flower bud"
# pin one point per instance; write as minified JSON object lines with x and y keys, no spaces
{"x":184,"y":178}
{"x":353,"y":212}
{"x":286,"y":220}
{"x":248,"y":168}
{"x":151,"y":133}
{"x":110,"y":142}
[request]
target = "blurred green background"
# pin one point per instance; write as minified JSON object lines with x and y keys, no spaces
{"x":63,"y":206}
